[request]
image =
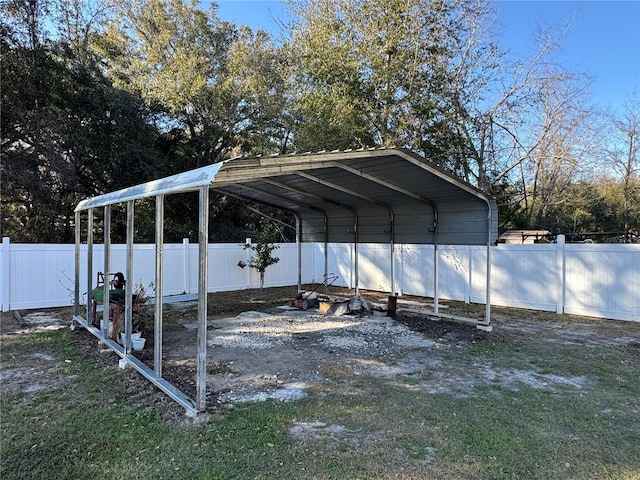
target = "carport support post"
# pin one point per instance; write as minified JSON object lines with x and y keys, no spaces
{"x":326,"y":250}
{"x":392,"y":243}
{"x":106,"y":269}
{"x":355,"y":259}
{"x":203,"y":245}
{"x":157,"y":324}
{"x":436,"y":293}
{"x":299,"y":247}
{"x":128,"y":307}
{"x":89,"y":264}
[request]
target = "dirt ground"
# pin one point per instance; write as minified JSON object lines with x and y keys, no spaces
{"x":257,"y":351}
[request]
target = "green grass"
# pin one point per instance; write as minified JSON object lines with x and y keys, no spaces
{"x":89,"y":427}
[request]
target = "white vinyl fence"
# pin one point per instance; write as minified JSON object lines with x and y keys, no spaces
{"x":598,"y":280}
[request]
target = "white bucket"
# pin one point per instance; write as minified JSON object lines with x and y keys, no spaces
{"x":138,"y":343}
{"x":134,"y":336}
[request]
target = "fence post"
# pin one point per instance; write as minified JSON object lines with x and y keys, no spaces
{"x":467,"y":287}
{"x":561,"y":274}
{"x":5,"y":269}
{"x":185,"y":265}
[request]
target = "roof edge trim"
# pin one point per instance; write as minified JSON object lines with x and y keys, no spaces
{"x":183,"y":182}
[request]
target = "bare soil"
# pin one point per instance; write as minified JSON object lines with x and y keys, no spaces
{"x":257,"y":351}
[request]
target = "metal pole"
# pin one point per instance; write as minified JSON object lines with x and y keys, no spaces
{"x":392,"y":248}
{"x":89,"y":265}
{"x":435,"y":260}
{"x":157,"y":324}
{"x":106,"y":269}
{"x":128,"y":307}
{"x":203,"y":245}
{"x":326,"y":248}
{"x":435,"y":276}
{"x":355,"y":260}
{"x":299,"y":246}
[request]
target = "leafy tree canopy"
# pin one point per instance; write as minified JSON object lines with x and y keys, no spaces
{"x":98,"y":95}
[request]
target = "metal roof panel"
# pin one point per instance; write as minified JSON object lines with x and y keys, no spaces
{"x":344,"y":185}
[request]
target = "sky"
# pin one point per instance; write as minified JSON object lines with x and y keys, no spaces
{"x":603,"y":40}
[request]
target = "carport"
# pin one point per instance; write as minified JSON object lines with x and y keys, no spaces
{"x":387,"y":196}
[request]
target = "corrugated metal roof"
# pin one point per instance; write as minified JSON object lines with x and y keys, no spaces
{"x":386,"y":192}
{"x":182,"y":182}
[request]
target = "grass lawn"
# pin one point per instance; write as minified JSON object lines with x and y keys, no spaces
{"x":585,"y":424}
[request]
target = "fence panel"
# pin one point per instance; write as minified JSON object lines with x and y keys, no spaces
{"x":415,"y":272}
{"x":603,"y":280}
{"x":374,"y":265}
{"x":585,"y":279}
{"x":339,"y":262}
{"x":39,"y":276}
{"x":224,"y":273}
{"x":175,"y":269}
{"x":285,"y":272}
{"x":454,"y":270}
{"x":524,"y":276}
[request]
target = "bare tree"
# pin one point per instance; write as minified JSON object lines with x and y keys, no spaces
{"x":623,"y":154}
{"x":534,"y":103}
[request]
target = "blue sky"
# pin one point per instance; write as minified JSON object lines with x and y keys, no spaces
{"x":603,"y":41}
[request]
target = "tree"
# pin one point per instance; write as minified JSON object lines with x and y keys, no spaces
{"x":530,"y":127}
{"x":265,"y":236}
{"x":215,"y":87}
{"x":623,"y":154}
{"x":257,"y":110}
{"x":558,"y":144}
{"x":405,"y":73}
{"x":66,"y":132}
{"x":165,"y":52}
{"x":429,"y":76}
{"x":215,"y":91}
